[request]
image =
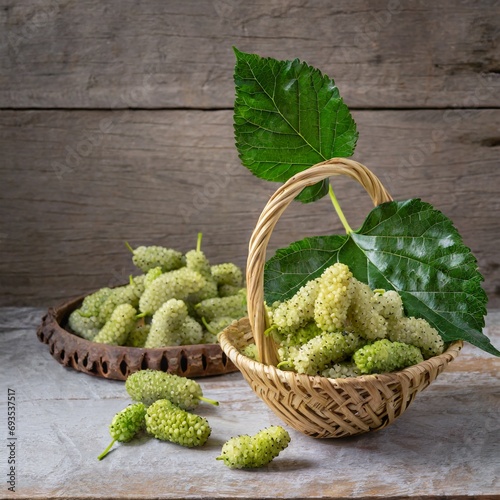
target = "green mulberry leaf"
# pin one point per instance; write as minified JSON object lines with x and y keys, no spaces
{"x":288,"y":116}
{"x":407,"y":246}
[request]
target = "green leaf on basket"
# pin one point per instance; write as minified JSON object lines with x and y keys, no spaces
{"x":288,"y":116}
{"x":407,"y":246}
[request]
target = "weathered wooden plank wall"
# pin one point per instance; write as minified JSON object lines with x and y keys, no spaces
{"x":116,"y":124}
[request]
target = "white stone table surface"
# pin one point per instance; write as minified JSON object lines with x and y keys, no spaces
{"x":446,"y":445}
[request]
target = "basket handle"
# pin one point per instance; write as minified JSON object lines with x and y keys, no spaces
{"x":270,"y":215}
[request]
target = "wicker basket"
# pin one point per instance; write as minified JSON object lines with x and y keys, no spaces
{"x":118,"y":362}
{"x":314,"y":405}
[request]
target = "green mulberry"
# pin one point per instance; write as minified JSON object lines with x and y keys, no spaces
{"x":125,"y":425}
{"x":341,"y":370}
{"x":137,"y":337}
{"x":117,"y":329}
{"x":86,"y":327}
{"x":171,"y":325}
{"x":92,"y":303}
{"x":234,"y":306}
{"x":125,"y":294}
{"x":177,"y":284}
{"x":165,"y":323}
{"x":417,"y":332}
{"x":298,"y":310}
{"x":242,"y":452}
{"x":149,"y":257}
{"x":362,"y":316}
{"x":388,"y":304}
{"x":325,"y":349}
{"x":216,"y":326}
{"x":301,"y":336}
{"x":227,"y":274}
{"x":197,"y":261}
{"x":168,"y":422}
{"x":334,"y":298}
{"x":147,"y":386}
{"x":385,"y":356}
{"x":190,"y":332}
{"x":151,"y":275}
{"x":228,"y":290}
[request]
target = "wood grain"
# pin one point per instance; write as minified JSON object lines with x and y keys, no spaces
{"x":156,"y":54}
{"x":77,"y":184}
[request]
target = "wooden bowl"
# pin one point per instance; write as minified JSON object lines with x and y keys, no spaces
{"x":118,"y":362}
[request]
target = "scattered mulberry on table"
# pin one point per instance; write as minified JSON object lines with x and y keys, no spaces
{"x":148,"y":386}
{"x":168,"y":422}
{"x":246,"y":451}
{"x":125,"y":425}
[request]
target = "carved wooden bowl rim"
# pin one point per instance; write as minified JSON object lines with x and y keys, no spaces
{"x":118,"y":362}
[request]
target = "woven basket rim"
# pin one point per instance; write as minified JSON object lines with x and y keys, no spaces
{"x":239,"y":359}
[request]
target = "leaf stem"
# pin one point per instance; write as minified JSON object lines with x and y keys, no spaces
{"x":341,"y":215}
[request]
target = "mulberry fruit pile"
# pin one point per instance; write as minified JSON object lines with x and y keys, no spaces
{"x":338,"y":327}
{"x":179,"y":299}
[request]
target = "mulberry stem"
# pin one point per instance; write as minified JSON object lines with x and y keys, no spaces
{"x":270,"y":330}
{"x":208,"y":327}
{"x":129,"y":247}
{"x":106,"y":451}
{"x":208,"y":400}
{"x":198,"y":242}
{"x":336,"y":205}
